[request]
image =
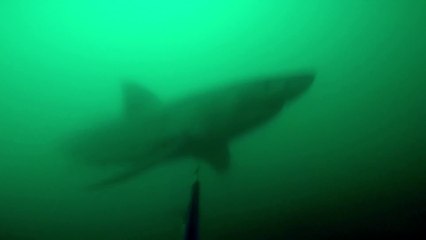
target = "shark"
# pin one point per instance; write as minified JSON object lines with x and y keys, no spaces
{"x":150,"y":132}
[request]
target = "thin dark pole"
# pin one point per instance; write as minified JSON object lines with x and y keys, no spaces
{"x":192,"y":231}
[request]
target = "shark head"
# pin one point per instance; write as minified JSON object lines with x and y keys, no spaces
{"x":255,"y":102}
{"x":279,"y":90}
{"x":263,"y":98}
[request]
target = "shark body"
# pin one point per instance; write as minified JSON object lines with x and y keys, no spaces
{"x":200,"y":126}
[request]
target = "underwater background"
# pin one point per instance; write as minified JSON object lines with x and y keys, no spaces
{"x":346,"y":160}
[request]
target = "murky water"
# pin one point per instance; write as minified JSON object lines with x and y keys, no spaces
{"x":346,"y":160}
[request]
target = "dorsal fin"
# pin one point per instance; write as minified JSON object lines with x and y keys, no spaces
{"x":138,"y":100}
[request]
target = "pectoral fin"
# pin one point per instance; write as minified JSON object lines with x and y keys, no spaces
{"x":218,"y":156}
{"x":127,"y":175}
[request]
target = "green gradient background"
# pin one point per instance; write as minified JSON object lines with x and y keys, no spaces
{"x":347,"y":158}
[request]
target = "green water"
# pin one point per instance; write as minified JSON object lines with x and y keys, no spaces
{"x":346,"y":160}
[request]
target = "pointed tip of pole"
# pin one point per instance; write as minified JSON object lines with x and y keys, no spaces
{"x":197,"y":172}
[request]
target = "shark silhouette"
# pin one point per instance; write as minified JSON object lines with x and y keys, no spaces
{"x":201,"y":126}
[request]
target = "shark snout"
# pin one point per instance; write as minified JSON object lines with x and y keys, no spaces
{"x":294,"y":86}
{"x":301,"y":82}
{"x":307,"y":79}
